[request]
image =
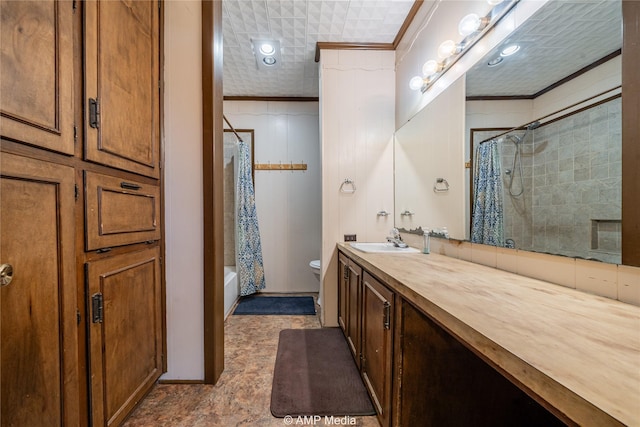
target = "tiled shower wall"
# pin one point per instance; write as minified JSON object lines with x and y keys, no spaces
{"x":572,"y":177}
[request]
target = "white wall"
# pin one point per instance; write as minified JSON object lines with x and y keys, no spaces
{"x":183,"y":190}
{"x":357,"y":102}
{"x":288,"y":203}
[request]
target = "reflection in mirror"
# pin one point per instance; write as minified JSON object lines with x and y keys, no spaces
{"x":428,"y":156}
{"x":553,"y":183}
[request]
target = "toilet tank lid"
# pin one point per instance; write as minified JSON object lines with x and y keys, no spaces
{"x":315,"y":264}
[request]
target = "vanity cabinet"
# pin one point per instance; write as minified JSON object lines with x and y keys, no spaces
{"x":365,"y":314}
{"x":349,"y":295}
{"x":416,"y":371}
{"x":343,"y":272}
{"x":377,"y":343}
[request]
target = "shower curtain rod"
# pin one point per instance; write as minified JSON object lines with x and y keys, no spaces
{"x":232,"y":129}
{"x":523,"y":127}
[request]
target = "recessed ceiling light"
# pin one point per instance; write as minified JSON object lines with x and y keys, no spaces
{"x":510,"y":50}
{"x":495,"y":61}
{"x":268,"y":53}
{"x":267,"y":49}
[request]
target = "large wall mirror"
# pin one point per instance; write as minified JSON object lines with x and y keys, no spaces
{"x":543,"y":136}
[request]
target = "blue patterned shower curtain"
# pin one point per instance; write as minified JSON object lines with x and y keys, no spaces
{"x":249,"y":250}
{"x":487,"y":222}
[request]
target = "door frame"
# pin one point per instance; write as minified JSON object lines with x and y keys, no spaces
{"x":213,"y":200}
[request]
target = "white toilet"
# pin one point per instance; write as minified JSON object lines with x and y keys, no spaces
{"x":315,"y":267}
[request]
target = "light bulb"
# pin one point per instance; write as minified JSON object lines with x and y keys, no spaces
{"x":430,"y":67}
{"x":494,"y":2}
{"x":269,"y":60}
{"x":267,"y":49}
{"x":510,"y":50}
{"x":446,"y":49}
{"x":469,"y":24}
{"x":416,"y":83}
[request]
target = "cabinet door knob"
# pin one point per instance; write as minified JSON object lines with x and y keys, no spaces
{"x":6,"y":274}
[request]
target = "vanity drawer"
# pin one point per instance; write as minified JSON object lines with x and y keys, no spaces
{"x":119,"y":211}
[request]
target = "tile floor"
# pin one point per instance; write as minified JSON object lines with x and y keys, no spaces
{"x":242,"y":395}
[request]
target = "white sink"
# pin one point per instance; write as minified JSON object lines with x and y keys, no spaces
{"x":386,"y":248}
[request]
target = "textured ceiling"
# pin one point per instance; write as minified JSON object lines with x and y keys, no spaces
{"x":560,"y":39}
{"x":298,"y":24}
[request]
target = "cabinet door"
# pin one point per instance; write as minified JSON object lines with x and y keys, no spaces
{"x":36,"y":73}
{"x":125,"y":332}
{"x":354,"y":283}
{"x":122,"y":75}
{"x":38,"y":328}
{"x":120,"y":212}
{"x":343,"y":274}
{"x":377,"y":343}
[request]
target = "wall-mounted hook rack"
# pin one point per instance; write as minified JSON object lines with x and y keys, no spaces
{"x":281,"y":166}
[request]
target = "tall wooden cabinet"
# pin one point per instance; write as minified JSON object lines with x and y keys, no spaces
{"x":80,"y":210}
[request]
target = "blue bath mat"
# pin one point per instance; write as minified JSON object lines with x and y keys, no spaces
{"x":275,"y":305}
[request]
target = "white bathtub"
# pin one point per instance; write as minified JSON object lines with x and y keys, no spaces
{"x":231,"y":290}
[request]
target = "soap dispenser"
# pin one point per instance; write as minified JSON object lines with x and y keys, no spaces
{"x":426,"y":247}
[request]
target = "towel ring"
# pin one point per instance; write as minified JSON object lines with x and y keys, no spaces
{"x":440,"y":189}
{"x":348,"y":182}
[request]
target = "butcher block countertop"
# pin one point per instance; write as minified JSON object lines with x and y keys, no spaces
{"x":579,"y":353}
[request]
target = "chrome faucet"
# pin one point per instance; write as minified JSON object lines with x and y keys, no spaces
{"x":396,"y":239}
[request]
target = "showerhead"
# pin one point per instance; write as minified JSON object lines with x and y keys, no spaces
{"x":515,"y":139}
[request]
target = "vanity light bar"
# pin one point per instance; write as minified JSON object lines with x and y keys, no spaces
{"x":473,"y":28}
